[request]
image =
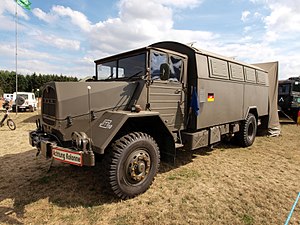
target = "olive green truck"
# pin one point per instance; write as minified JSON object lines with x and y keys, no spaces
{"x":144,"y":104}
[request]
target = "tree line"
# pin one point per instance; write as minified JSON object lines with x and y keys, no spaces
{"x":27,"y":83}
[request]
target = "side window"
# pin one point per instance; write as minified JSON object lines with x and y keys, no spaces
{"x":107,"y":70}
{"x":236,"y":72}
{"x":261,"y":77}
{"x":218,"y":68}
{"x":176,"y":65}
{"x":250,"y":75}
{"x":157,"y":58}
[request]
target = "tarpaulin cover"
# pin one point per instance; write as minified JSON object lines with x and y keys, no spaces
{"x":272,"y":68}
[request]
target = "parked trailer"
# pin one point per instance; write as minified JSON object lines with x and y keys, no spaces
{"x":144,"y":104}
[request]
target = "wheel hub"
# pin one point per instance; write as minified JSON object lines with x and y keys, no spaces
{"x":138,"y":166}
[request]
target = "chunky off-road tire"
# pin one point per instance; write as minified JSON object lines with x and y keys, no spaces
{"x":11,"y":124}
{"x":133,"y":164}
{"x":248,"y":130}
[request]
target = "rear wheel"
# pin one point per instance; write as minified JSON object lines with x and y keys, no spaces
{"x":133,"y":164}
{"x":11,"y":124}
{"x":248,"y":130}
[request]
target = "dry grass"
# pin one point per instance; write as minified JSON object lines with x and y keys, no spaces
{"x":228,"y":185}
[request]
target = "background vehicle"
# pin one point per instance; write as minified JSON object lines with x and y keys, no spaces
{"x":289,"y":96}
{"x":144,"y":104}
{"x":10,"y":123}
{"x":8,"y":96}
{"x":24,"y":101}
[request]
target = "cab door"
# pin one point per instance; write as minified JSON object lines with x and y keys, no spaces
{"x":166,"y":94}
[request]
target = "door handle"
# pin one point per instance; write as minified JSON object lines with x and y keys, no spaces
{"x":178,"y":91}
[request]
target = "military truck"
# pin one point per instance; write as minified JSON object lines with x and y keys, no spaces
{"x":289,"y":97}
{"x":144,"y":104}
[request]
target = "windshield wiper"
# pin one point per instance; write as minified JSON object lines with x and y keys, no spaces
{"x":110,"y":77}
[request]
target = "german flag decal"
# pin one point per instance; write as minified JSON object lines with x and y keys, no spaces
{"x":211,"y":97}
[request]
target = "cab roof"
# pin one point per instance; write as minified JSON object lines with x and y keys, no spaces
{"x":188,"y":50}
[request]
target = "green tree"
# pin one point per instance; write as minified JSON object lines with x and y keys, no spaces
{"x":28,"y":83}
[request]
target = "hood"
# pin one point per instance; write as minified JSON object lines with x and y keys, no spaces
{"x":72,"y":98}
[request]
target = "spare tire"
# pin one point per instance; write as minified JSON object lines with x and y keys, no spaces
{"x":20,"y":100}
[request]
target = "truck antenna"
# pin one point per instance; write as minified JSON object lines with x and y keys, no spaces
{"x":89,"y":105}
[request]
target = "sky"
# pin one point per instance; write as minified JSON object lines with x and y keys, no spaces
{"x":66,"y":36}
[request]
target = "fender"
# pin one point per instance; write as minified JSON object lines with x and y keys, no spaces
{"x":111,"y":122}
{"x":253,"y":110}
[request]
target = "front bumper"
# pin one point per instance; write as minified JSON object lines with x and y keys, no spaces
{"x":48,"y":148}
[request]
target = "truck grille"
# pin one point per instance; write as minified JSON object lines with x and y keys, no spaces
{"x":49,"y":105}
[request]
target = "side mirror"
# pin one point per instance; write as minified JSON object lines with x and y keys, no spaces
{"x":164,"y":71}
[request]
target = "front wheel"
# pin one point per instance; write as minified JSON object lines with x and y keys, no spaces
{"x":133,"y":165}
{"x":11,"y":124}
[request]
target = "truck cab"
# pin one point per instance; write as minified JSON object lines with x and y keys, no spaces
{"x":289,"y":96}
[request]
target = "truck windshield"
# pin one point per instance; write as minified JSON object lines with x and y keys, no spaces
{"x":296,"y":86}
{"x":284,"y":89}
{"x":123,"y":68}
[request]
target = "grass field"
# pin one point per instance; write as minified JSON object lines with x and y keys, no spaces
{"x":229,"y":185}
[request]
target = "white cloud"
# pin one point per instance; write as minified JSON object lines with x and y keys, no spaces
{"x":257,"y":15}
{"x":60,"y":12}
{"x":247,"y":29}
{"x":58,"y":42}
{"x":283,"y":21}
{"x":181,"y":3}
{"x":8,"y":22}
{"x":8,"y":49}
{"x":283,"y":18}
{"x":10,"y":7}
{"x":138,"y":24}
{"x":49,"y":18}
{"x":245,"y":15}
{"x":141,"y":24}
{"x":77,"y":18}
{"x":271,"y":36}
{"x":281,"y":33}
{"x":45,"y":63}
